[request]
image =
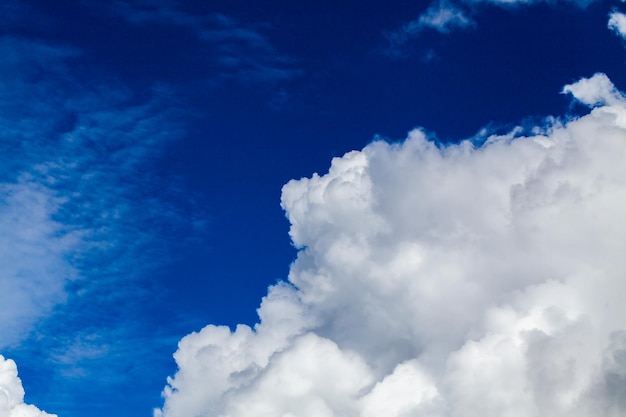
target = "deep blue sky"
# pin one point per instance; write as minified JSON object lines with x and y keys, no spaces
{"x":246,"y":96}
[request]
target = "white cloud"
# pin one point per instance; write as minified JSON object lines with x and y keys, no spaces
{"x":597,"y":90}
{"x":12,"y":393}
{"x":442,"y":16}
{"x":440,"y":281}
{"x":617,"y":23}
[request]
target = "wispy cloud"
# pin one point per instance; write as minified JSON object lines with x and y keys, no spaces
{"x":33,"y":261}
{"x":243,"y":52}
{"x":595,"y":91}
{"x":446,"y":16}
{"x":442,"y":17}
{"x":82,"y":217}
{"x":517,"y":3}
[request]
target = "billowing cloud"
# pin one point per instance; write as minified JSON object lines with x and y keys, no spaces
{"x":617,"y":23}
{"x":12,"y":393}
{"x":440,"y":280}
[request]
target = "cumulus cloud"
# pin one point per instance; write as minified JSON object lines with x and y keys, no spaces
{"x":440,"y":280}
{"x":12,"y":393}
{"x":597,"y":90}
{"x":617,"y":23}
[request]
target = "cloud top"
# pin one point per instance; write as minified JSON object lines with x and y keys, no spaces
{"x":12,"y":393}
{"x":440,"y":281}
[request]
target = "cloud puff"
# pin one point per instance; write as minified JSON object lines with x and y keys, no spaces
{"x":440,"y":281}
{"x":12,"y":393}
{"x":617,"y":23}
{"x":594,"y":91}
{"x":442,"y":17}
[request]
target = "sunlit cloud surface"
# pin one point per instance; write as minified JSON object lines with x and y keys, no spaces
{"x":440,"y":280}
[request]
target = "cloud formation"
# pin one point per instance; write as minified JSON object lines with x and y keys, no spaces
{"x":12,"y":393}
{"x":68,"y":181}
{"x":78,"y":205}
{"x":617,"y":23}
{"x":434,"y":280}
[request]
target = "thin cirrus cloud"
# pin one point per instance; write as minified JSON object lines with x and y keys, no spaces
{"x":241,"y":52}
{"x":76,"y":207}
{"x":440,"y":280}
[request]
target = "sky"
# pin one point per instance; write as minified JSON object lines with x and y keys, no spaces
{"x":312,"y":209}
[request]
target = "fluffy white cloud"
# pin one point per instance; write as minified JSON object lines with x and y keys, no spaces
{"x":440,"y":281}
{"x":617,"y":23}
{"x":12,"y":393}
{"x":597,"y":90}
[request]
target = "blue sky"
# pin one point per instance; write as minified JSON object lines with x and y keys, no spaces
{"x":144,"y":149}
